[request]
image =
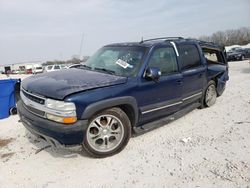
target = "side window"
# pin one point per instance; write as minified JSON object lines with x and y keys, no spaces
{"x":189,"y":56}
{"x":165,"y":60}
{"x":213,"y":55}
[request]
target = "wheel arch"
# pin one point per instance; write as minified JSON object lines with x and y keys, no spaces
{"x":128,"y":104}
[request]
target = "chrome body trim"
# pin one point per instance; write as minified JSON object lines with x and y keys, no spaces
{"x":176,"y":51}
{"x":42,"y":107}
{"x":35,"y":95}
{"x":173,"y":104}
{"x":191,"y":96}
{"x":162,"y":107}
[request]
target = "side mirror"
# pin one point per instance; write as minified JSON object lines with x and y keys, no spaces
{"x":153,"y":73}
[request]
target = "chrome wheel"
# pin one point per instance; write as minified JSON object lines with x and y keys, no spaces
{"x":211,"y":95}
{"x":105,"y":133}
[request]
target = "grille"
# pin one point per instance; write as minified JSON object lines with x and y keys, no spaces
{"x":33,"y":98}
{"x":35,"y":111}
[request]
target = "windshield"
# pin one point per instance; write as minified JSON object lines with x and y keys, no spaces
{"x":121,"y":61}
{"x":38,"y":68}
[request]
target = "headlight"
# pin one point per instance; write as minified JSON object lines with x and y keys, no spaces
{"x":60,"y":111}
{"x":60,"y":105}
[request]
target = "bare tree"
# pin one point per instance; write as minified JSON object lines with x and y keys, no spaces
{"x":230,"y":37}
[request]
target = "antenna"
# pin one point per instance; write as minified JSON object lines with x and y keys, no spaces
{"x":141,"y":40}
{"x":80,"y":51}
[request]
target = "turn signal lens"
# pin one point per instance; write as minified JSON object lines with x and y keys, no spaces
{"x":69,"y":120}
{"x":66,"y":120}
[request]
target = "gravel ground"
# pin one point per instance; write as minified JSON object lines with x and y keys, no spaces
{"x":205,"y":148}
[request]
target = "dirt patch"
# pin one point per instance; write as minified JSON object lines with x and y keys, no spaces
{"x":5,"y":142}
{"x":7,"y":155}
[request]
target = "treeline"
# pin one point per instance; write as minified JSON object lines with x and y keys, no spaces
{"x":229,"y":37}
{"x":74,"y":60}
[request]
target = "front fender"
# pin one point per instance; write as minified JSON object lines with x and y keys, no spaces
{"x":109,"y":103}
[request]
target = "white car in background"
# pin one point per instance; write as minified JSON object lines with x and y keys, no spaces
{"x":38,"y":69}
{"x":52,"y":68}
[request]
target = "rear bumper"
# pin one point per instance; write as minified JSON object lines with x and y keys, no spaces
{"x":221,"y":83}
{"x":60,"y":135}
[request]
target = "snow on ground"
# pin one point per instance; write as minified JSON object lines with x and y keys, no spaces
{"x":233,"y":46}
{"x":205,"y":148}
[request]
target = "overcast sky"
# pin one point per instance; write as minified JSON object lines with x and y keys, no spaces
{"x":43,"y":30}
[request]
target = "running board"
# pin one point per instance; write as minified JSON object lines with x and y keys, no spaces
{"x":158,"y":123}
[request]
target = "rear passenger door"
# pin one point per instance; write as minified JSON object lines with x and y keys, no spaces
{"x":193,"y":71}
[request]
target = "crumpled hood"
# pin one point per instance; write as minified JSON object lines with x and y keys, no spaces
{"x":61,"y":83}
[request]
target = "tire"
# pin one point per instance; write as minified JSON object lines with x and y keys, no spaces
{"x":209,"y":95}
{"x":242,"y":58}
{"x":108,"y":133}
{"x":13,"y":111}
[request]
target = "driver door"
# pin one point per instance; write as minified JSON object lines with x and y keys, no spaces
{"x":162,"y":97}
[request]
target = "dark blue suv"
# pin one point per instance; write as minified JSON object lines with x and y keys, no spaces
{"x":122,"y":89}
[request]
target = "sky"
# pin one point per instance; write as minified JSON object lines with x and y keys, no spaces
{"x":41,"y":30}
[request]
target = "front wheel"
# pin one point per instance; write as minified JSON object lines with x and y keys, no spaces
{"x":108,"y":133}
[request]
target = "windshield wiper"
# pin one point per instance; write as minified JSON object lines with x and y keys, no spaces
{"x":105,"y":70}
{"x":85,"y":67}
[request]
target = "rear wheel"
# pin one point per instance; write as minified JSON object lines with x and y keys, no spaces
{"x":108,"y":133}
{"x":210,"y":94}
{"x":242,"y":58}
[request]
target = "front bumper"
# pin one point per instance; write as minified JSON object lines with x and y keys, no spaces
{"x":60,"y":135}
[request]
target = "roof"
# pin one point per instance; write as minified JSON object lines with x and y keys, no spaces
{"x":163,"y":40}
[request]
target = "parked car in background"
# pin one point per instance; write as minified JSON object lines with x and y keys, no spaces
{"x":37,"y":69}
{"x":28,"y":71}
{"x":8,"y":72}
{"x":247,"y":50}
{"x":15,"y":72}
{"x":51,"y":68}
{"x":63,"y":66}
{"x":236,"y":54}
{"x":21,"y":71}
{"x":121,"y":90}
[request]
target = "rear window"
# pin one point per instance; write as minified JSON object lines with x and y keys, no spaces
{"x":189,"y":56}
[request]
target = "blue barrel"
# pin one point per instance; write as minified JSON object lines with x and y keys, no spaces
{"x":7,"y":96}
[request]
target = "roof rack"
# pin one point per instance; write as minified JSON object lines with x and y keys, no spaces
{"x":206,"y":43}
{"x":162,"y":38}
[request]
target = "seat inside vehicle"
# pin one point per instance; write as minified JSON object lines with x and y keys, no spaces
{"x":213,"y":56}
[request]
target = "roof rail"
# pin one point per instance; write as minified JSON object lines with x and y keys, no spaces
{"x":162,"y":38}
{"x":205,"y":42}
